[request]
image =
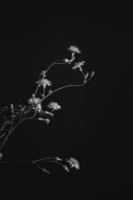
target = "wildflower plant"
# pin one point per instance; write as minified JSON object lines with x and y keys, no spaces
{"x":13,"y":115}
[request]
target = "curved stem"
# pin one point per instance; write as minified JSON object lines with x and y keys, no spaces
{"x":55,"y":63}
{"x":36,"y":89}
{"x":47,"y":159}
{"x":55,"y":160}
{"x":25,"y":111}
{"x":61,"y":88}
{"x":16,"y":162}
{"x":8,"y":135}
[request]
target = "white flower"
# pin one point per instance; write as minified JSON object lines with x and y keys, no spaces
{"x":74,"y":49}
{"x":74,"y":163}
{"x":44,"y":82}
{"x":78,"y":65}
{"x":38,"y":107}
{"x":54,"y":106}
{"x":34,"y":100}
{"x":36,"y":103}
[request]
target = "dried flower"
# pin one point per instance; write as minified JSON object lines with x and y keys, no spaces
{"x":78,"y":65}
{"x":44,"y":82}
{"x":36,"y":103}
{"x":74,"y":49}
{"x":54,"y":106}
{"x":38,"y":107}
{"x":34,"y":100}
{"x":74,"y":163}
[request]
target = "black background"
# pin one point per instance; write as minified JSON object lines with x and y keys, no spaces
{"x":94,"y":124}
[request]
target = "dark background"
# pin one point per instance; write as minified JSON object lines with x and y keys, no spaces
{"x":94,"y":124}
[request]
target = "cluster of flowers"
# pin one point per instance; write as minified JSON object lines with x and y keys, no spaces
{"x":43,"y":82}
{"x":33,"y":109}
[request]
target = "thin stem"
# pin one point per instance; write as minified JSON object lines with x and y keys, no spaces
{"x":61,"y":88}
{"x":2,"y":128}
{"x":42,"y":169}
{"x":8,"y":135}
{"x":26,"y":111}
{"x":16,"y":162}
{"x":48,"y":159}
{"x":55,"y":63}
{"x":37,"y":89}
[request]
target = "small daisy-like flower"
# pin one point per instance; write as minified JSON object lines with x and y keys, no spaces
{"x":38,"y":107}
{"x":36,"y":103}
{"x":78,"y":65}
{"x":74,"y":49}
{"x":34,"y":100}
{"x":74,"y":163}
{"x":54,"y":106}
{"x":44,"y":82}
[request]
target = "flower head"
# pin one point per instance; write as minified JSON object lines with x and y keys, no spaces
{"x":78,"y":65}
{"x":34,"y":100}
{"x":54,"y":106}
{"x":74,"y":163}
{"x":38,"y":107}
{"x":74,"y":49}
{"x":44,"y":82}
{"x":36,"y":103}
